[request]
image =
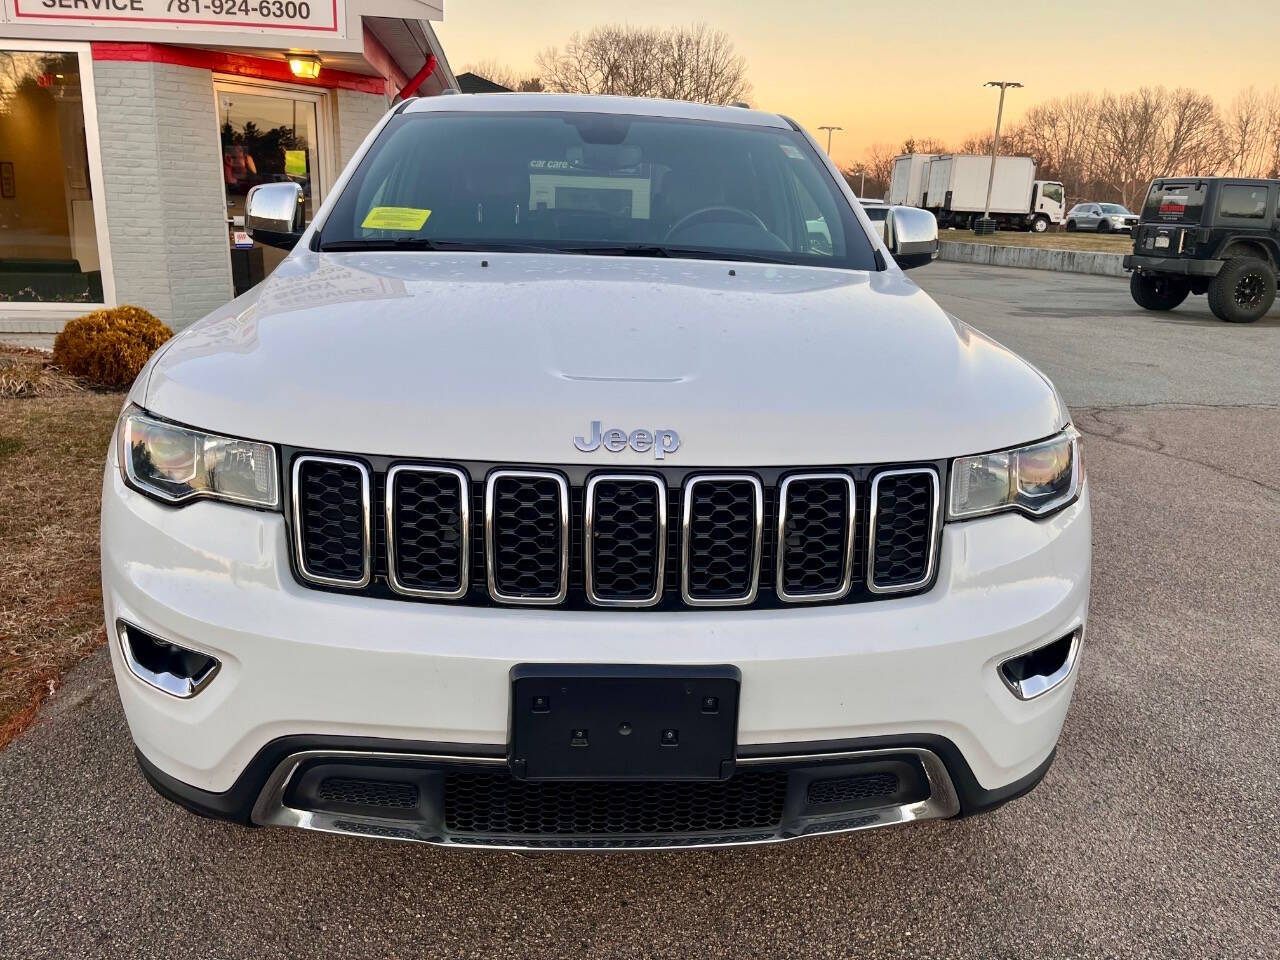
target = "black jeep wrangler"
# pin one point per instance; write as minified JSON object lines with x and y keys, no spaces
{"x":1214,"y":235}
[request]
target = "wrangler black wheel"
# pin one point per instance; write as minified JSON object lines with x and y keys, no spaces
{"x":1158,"y":291}
{"x":1243,"y":291}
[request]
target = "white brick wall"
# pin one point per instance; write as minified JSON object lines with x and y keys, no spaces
{"x":357,"y":115}
{"x":162,"y":169}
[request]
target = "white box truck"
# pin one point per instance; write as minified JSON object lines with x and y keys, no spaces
{"x":909,"y":179}
{"x":956,"y":192}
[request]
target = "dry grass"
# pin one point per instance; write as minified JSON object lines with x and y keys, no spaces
{"x":1054,"y":240}
{"x":52,"y":450}
{"x":30,"y":373}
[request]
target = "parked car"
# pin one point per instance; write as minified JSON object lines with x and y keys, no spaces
{"x":1208,"y":235}
{"x":558,"y":490}
{"x":1102,"y":217}
{"x":877,"y":211}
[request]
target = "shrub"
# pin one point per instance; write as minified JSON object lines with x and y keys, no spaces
{"x":109,"y":347}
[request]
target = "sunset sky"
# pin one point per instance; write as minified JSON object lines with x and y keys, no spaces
{"x":890,"y":70}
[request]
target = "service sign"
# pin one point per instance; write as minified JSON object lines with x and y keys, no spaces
{"x":317,"y":16}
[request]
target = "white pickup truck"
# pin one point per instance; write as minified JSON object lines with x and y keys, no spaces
{"x":590,"y":476}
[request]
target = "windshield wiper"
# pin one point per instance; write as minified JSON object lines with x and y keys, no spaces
{"x":663,"y":250}
{"x":424,"y":243}
{"x":379,"y":243}
{"x":500,"y":246}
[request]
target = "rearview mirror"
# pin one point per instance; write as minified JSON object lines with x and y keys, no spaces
{"x":274,"y":214}
{"x":911,"y":234}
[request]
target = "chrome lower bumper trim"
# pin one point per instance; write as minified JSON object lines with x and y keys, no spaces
{"x":271,"y":809}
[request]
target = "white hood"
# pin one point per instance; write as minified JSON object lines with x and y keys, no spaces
{"x":508,"y":356}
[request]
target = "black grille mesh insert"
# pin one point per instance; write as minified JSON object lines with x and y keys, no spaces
{"x":862,"y":786}
{"x":625,"y":539}
{"x":498,"y":804}
{"x":427,"y":527}
{"x":815,"y":548}
{"x":528,"y":539}
{"x":903,"y":528}
{"x":721,"y":561}
{"x":375,"y":830}
{"x":617,"y":843}
{"x":833,"y":826}
{"x":368,"y":793}
{"x":529,"y":547}
{"x":331,"y":517}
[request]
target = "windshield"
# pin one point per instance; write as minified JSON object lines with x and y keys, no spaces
{"x":1115,"y":208}
{"x":1173,"y":202}
{"x":594,"y":183}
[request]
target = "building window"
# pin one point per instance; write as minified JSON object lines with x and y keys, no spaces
{"x":48,"y":234}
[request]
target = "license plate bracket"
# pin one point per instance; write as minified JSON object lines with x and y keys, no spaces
{"x":623,"y":722}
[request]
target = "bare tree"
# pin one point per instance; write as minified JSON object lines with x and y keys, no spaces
{"x":1111,"y":146}
{"x":679,"y":63}
{"x":1062,"y":135}
{"x":877,"y":161}
{"x":503,"y":75}
{"x":1192,"y":136}
{"x":1252,"y":134}
{"x":924,"y":145}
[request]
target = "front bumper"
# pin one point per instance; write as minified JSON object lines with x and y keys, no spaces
{"x":1186,"y":268}
{"x":929,"y":779}
{"x":311,"y":670}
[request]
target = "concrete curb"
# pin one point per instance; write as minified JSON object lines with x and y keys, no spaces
{"x":1034,"y":258}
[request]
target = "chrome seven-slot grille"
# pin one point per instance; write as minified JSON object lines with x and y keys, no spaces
{"x":663,"y":539}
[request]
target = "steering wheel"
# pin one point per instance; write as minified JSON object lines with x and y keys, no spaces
{"x":715,"y":213}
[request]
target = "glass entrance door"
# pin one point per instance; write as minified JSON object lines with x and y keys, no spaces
{"x":268,"y":135}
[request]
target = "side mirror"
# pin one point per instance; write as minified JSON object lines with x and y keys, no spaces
{"x":911,"y":234}
{"x":274,"y":214}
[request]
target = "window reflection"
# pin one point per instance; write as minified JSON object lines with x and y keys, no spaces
{"x":48,"y":237}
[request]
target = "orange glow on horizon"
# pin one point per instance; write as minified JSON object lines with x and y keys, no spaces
{"x":892,"y":71}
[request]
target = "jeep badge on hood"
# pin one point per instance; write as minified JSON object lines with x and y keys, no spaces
{"x":661,"y":442}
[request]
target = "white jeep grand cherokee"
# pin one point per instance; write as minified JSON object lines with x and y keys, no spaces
{"x":590,"y":476}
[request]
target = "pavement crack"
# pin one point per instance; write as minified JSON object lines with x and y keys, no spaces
{"x":1181,"y":404}
{"x":1120,"y":433}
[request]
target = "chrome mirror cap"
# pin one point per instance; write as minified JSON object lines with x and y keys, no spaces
{"x":911,"y":234}
{"x":274,"y":214}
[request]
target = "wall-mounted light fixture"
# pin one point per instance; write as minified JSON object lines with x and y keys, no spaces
{"x":304,"y":66}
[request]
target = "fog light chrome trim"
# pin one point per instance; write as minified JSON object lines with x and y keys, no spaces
{"x":1037,"y":686}
{"x":175,"y":685}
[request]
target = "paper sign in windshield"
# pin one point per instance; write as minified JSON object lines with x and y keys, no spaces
{"x":395,"y":218}
{"x":1173,"y":204}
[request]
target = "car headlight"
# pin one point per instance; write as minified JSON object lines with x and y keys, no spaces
{"x":177,"y":464}
{"x":1037,"y":479}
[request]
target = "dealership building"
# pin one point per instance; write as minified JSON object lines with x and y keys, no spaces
{"x":131,"y":131}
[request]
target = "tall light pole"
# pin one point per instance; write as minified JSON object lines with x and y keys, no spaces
{"x":830,"y":130}
{"x":986,"y":225}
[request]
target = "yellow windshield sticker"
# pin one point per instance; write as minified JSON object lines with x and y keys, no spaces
{"x":295,"y":163}
{"x":395,"y":218}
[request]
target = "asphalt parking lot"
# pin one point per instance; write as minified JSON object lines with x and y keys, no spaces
{"x":1155,"y":834}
